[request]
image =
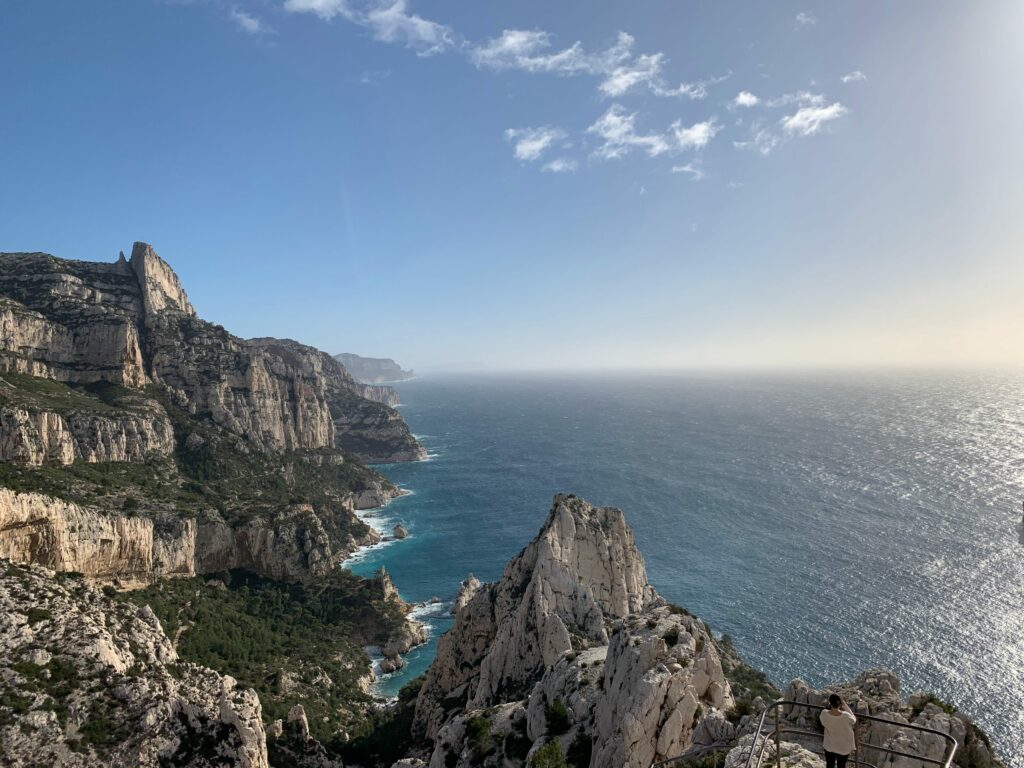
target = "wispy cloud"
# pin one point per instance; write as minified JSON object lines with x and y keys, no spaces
{"x":803,"y":98}
{"x":248,"y":23}
{"x":530,"y":143}
{"x":804,"y":19}
{"x":620,"y":69}
{"x":529,"y":50}
{"x":325,"y":9}
{"x":373,"y":76}
{"x":389,"y":21}
{"x":762,"y":139}
{"x":745,"y":99}
{"x":854,"y":77}
{"x":392,"y":23}
{"x":617,"y":130}
{"x":695,"y":136}
{"x":809,"y":120}
{"x":696,"y":174}
{"x":560,"y":165}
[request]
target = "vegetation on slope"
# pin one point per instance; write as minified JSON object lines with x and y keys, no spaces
{"x":210,"y":469}
{"x":293,"y":643}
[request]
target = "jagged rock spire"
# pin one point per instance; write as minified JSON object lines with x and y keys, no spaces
{"x":161,"y":289}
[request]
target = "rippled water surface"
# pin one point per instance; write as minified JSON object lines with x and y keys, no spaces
{"x":827,"y":523}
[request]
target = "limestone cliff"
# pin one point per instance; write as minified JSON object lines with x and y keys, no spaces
{"x":573,"y":628}
{"x":243,"y":448}
{"x":131,"y":324}
{"x":87,"y":681}
{"x":373,"y":370}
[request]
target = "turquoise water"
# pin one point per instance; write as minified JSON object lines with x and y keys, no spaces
{"x":827,"y":523}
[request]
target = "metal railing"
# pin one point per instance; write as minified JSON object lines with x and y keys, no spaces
{"x":778,"y":729}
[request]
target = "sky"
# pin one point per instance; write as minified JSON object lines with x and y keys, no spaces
{"x":531,"y":184}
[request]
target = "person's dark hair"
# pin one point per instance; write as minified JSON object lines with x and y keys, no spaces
{"x":834,"y":701}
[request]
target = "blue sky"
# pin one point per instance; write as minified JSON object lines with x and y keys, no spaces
{"x":538,"y":184}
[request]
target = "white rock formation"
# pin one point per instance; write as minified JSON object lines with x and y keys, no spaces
{"x":291,"y":545}
{"x":574,"y":624}
{"x":35,"y":437}
{"x":100,"y":684}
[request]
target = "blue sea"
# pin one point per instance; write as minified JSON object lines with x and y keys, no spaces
{"x":827,"y":522}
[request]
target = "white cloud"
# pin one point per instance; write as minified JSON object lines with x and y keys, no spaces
{"x":762,"y":139}
{"x":249,"y":23}
{"x":803,"y":98}
{"x":392,"y":23}
{"x":696,"y":136}
{"x":809,"y":120}
{"x":745,"y":99}
{"x":621,"y":70}
{"x":325,"y":9}
{"x":696,"y":174}
{"x":854,"y":77}
{"x":805,"y":19}
{"x":527,"y":50}
{"x":531,"y":143}
{"x":617,"y":130}
{"x":560,"y":165}
{"x":388,"y":20}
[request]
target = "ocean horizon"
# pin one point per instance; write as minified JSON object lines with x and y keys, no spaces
{"x":827,"y":522}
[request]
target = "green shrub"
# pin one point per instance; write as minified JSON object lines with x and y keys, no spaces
{"x":671,"y":637}
{"x":556,"y":716}
{"x":478,"y":734}
{"x":36,"y":615}
{"x":548,"y":756}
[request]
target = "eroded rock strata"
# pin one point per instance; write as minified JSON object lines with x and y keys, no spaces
{"x":245,"y":452}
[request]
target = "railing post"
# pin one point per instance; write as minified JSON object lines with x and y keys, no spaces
{"x":778,"y":750}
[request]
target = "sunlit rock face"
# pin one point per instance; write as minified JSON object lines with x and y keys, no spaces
{"x":131,"y":323}
{"x":573,"y":625}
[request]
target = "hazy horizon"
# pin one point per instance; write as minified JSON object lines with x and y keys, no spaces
{"x":796,"y":185}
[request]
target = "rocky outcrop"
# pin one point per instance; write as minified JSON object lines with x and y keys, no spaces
{"x":373,"y":370}
{"x":161,"y":289}
{"x":572,"y":645}
{"x":96,"y":682}
{"x":877,"y":693}
{"x":35,"y":437}
{"x":380,"y":394}
{"x":467,"y":589}
{"x":371,"y":430}
{"x":72,"y":321}
{"x":131,"y":323}
{"x":294,"y":544}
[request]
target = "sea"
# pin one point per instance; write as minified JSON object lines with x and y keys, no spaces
{"x":828,"y":523}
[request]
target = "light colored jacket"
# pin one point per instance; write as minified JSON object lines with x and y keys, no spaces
{"x":839,"y":737}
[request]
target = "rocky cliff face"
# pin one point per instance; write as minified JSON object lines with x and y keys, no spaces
{"x":294,"y":543}
{"x":43,"y":422}
{"x":366,"y":427}
{"x":108,"y":364}
{"x":87,"y":681}
{"x":72,"y":321}
{"x":131,"y":324}
{"x":373,"y":370}
{"x":573,"y":645}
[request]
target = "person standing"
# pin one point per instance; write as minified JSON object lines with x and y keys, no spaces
{"x":838,"y":721}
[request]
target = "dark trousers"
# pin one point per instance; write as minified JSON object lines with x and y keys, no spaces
{"x":832,"y":760}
